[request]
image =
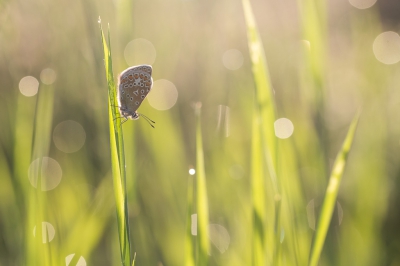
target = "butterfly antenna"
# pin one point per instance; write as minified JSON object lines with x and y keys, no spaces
{"x":148,"y":120}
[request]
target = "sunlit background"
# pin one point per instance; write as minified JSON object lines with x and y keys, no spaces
{"x":54,"y":132}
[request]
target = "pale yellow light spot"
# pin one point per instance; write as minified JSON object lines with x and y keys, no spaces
{"x":386,"y":47}
{"x":219,"y":236}
{"x":69,"y":136}
{"x":232,"y":59}
{"x":48,"y":76}
{"x":47,"y":231}
{"x":28,"y":86}
{"x":46,"y":172}
{"x":362,"y":4}
{"x":140,"y":52}
{"x":283,"y":128}
{"x":163,"y":95}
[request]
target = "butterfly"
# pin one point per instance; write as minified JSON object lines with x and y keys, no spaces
{"x":134,"y":84}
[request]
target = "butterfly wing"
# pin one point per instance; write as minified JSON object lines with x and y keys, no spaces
{"x":133,"y":86}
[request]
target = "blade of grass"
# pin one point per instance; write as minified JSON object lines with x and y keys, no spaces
{"x":24,"y":131}
{"x":264,"y":93}
{"x":117,"y":156}
{"x":203,"y":243}
{"x":313,"y":18}
{"x":258,"y":195}
{"x":189,"y":249}
{"x":331,"y":195}
{"x":38,"y":251}
{"x":265,"y":114}
{"x":314,"y":31}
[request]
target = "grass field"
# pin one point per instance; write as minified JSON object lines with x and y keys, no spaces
{"x":276,"y":142}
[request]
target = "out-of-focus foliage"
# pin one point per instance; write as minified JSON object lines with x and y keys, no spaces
{"x":56,"y":191}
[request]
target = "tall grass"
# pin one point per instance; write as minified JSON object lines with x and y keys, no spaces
{"x":203,"y":242}
{"x":269,"y":201}
{"x":331,"y":193}
{"x":117,"y":156}
{"x":265,"y":149}
{"x":37,"y":200}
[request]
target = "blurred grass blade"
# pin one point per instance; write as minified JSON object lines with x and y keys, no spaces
{"x":258,"y":195}
{"x":314,"y":31}
{"x":264,"y":94}
{"x":331,"y":195}
{"x":189,"y":248}
{"x":37,"y":252}
{"x":117,"y":156}
{"x":263,"y":142}
{"x":313,"y":18}
{"x":203,"y":243}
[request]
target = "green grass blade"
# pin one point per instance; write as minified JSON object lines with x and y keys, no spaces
{"x":314,"y":29}
{"x":117,"y":157}
{"x":258,"y":195}
{"x":313,"y":18}
{"x":265,"y":145}
{"x":189,"y":248}
{"x":331,"y":195}
{"x":203,"y":243}
{"x":23,"y":156}
{"x":264,"y":94}
{"x":37,"y":251}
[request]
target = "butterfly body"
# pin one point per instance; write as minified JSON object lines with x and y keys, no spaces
{"x":134,"y":84}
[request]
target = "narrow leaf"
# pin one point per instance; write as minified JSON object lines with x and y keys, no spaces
{"x":117,"y":157}
{"x":203,"y":243}
{"x":331,"y":195}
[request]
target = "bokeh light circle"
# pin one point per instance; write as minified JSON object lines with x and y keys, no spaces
{"x":192,"y":171}
{"x":139,"y":52}
{"x":45,"y":171}
{"x":69,"y":136}
{"x":81,"y":261}
{"x":48,"y":232}
{"x":313,"y":207}
{"x":362,"y":4}
{"x":219,"y":236}
{"x":28,"y":86}
{"x":283,"y":128}
{"x":232,"y":59}
{"x":387,"y":47}
{"x":163,"y":95}
{"x":48,"y":76}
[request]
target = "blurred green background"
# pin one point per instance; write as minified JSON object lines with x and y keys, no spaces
{"x":55,"y":159}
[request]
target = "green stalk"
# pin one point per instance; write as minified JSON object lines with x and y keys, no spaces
{"x":203,"y":243}
{"x":117,"y":156}
{"x":39,"y":253}
{"x":189,"y":248}
{"x":264,"y":94}
{"x":24,"y":132}
{"x":331,"y":193}
{"x":265,"y":145}
{"x":258,"y":195}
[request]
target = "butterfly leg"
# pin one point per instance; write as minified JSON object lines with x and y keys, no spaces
{"x":117,"y":118}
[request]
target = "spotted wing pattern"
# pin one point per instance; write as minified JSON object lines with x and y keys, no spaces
{"x":133,"y":86}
